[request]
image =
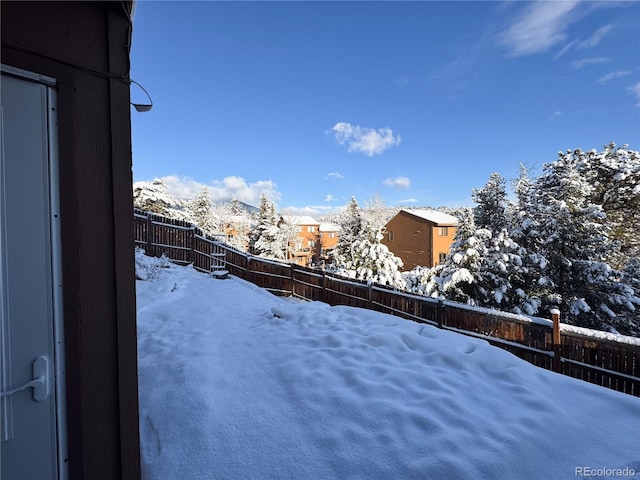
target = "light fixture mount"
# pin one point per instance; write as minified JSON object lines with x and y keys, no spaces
{"x":142,"y":107}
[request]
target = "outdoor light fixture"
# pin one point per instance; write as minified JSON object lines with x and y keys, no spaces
{"x":142,"y":107}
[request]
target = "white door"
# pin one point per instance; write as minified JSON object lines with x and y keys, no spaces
{"x":32,"y":402}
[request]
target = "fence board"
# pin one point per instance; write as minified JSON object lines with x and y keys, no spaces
{"x":610,"y":364}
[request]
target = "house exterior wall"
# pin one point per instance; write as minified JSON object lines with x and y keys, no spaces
{"x":306,"y":245}
{"x":441,"y":242}
{"x":329,"y":239}
{"x":411,"y":239}
{"x":417,"y":241}
{"x":62,"y":40}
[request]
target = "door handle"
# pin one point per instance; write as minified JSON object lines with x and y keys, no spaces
{"x":39,"y":383}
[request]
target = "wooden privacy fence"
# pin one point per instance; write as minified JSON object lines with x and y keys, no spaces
{"x":542,"y":342}
{"x":179,"y":241}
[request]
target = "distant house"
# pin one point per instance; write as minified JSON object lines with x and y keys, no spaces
{"x":329,"y":236}
{"x":304,"y":248}
{"x":420,"y":237}
{"x":237,"y":230}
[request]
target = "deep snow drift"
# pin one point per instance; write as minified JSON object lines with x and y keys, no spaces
{"x":238,"y":384}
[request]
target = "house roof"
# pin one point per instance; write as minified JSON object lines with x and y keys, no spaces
{"x":433,"y":216}
{"x":329,"y":227}
{"x":300,"y":220}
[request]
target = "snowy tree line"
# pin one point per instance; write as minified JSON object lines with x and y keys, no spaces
{"x":359,"y":253}
{"x":212,"y":218}
{"x":568,"y":240}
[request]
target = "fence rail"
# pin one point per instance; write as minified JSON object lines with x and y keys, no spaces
{"x":615,"y":365}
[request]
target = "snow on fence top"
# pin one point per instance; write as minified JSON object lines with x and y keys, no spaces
{"x":603,"y":358}
{"x":597,"y":334}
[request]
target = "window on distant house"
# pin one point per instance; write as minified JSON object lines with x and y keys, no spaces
{"x":443,"y":231}
{"x":310,"y":228}
{"x":391,"y":235}
{"x":442,"y":257}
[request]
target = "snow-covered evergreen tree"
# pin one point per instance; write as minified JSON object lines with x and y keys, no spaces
{"x":375,"y":213}
{"x":456,"y":278}
{"x":265,"y":235}
{"x":351,"y":223}
{"x":237,"y":225}
{"x":201,"y":212}
{"x":369,"y":259}
{"x":576,"y":241}
{"x":530,"y":277}
{"x":483,"y":269}
{"x":614,"y":175}
{"x":492,"y":205}
{"x":153,"y":197}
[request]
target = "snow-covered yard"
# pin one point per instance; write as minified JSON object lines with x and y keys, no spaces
{"x":235,"y":383}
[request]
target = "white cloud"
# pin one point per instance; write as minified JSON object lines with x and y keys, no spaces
{"x":555,"y":115}
{"x":596,"y":38}
{"x":312,"y":210}
{"x":585,"y":62}
{"x":333,"y":175}
{"x":565,"y":49}
{"x":363,"y":139}
{"x":330,"y":198}
{"x":409,"y":200}
{"x":541,"y":26}
{"x":182,"y":187}
{"x":635,"y":91}
{"x":613,"y":75}
{"x":230,"y":187}
{"x":590,"y":42}
{"x":398,"y":182}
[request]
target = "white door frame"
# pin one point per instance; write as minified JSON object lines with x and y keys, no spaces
{"x":56,"y":262}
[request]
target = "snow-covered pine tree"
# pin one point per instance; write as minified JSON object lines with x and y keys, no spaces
{"x":237,"y":225}
{"x":529,"y":280}
{"x":614,"y":174}
{"x":369,"y":259}
{"x":576,"y":242}
{"x":266,"y":237}
{"x":492,"y":205}
{"x":235,"y":208}
{"x":483,"y":269}
{"x":351,"y":225}
{"x":201,"y":212}
{"x":375,"y":213}
{"x":153,"y":197}
{"x":457,"y":278}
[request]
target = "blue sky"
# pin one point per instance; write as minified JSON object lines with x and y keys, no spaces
{"x":417,"y":102}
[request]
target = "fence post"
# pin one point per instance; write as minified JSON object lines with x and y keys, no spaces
{"x":149,"y":248}
{"x":191,"y":238}
{"x":323,"y":292}
{"x":557,"y":344}
{"x":248,"y":274}
{"x":293,"y":266}
{"x":439,"y":312}
{"x":370,"y":293}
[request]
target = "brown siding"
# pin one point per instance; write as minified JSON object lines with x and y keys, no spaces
{"x":442,"y":244}
{"x":329,"y":242}
{"x":59,"y":39}
{"x":412,"y":240}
